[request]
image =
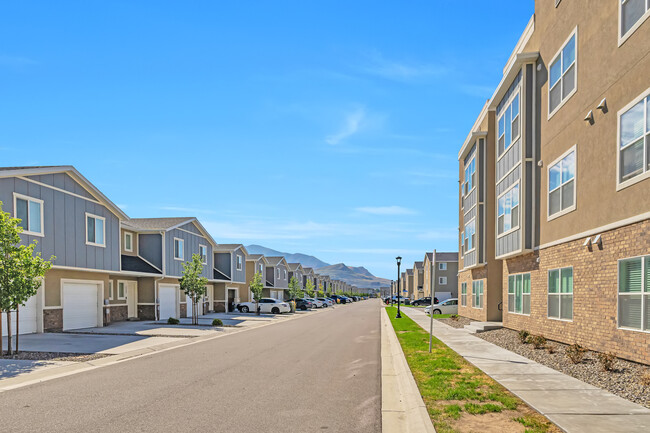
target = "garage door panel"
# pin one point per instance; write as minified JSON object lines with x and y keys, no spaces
{"x":80,"y":305}
{"x":28,"y":317}
{"x":167,"y":299}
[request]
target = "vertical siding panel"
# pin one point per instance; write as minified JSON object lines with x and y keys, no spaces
{"x":59,"y":250}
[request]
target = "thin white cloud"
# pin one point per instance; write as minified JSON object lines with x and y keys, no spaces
{"x":351,"y":125}
{"x":401,"y":71}
{"x":385,"y":210}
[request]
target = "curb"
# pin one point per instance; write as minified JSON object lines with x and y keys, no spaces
{"x":70,"y":369}
{"x":402,"y":407}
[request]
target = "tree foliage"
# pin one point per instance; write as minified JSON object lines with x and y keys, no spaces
{"x":193,"y":284}
{"x":294,"y":289}
{"x":257,"y":287}
{"x":309,"y":288}
{"x":21,"y":270}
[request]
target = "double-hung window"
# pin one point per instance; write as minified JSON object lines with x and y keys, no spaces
{"x":470,"y":235}
{"x":30,"y":213}
{"x":562,"y":75}
{"x":285,"y":274}
{"x":463,"y":294}
{"x":442,"y":281}
{"x":519,"y":294}
{"x":509,"y":124}
{"x":95,"y":230}
{"x":240,"y":264}
{"x":634,"y":140}
{"x":442,"y":266}
{"x":128,"y":242}
{"x":203,"y":252}
{"x":560,"y":293}
{"x":121,"y":290}
{"x":634,"y":293}
{"x":179,"y":249}
{"x":561,"y":185}
{"x":632,"y":14}
{"x":477,"y":294}
{"x":470,"y":176}
{"x":508,"y":210}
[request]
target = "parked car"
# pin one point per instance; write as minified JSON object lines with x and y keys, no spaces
{"x":267,"y":305}
{"x":425,"y":301}
{"x":339,"y":299}
{"x":302,"y":304}
{"x":316,"y":303}
{"x":328,"y":302}
{"x":450,"y":306}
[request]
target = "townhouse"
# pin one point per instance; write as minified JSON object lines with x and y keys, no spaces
{"x":152,"y":272}
{"x":230,"y":278}
{"x":296,"y":271}
{"x":418,"y":280}
{"x":554,"y":195}
{"x":408,"y":285}
{"x":277,"y":278}
{"x":255,"y":264}
{"x":307,"y":275}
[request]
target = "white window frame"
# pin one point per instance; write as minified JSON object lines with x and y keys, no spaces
{"x":239,"y":262}
{"x":472,"y":175}
{"x":642,"y":293}
{"x":201,"y":248}
{"x":560,"y":82}
{"x":571,"y":208}
{"x":520,"y":275}
{"x":285,"y":274}
{"x":645,"y":174}
{"x":277,"y":273}
{"x":634,"y":28}
{"x":560,"y":294}
{"x":463,"y":294}
{"x":261,"y":268}
{"x":442,"y":266}
{"x":124,"y":294}
{"x":110,"y":289}
{"x":469,"y":250}
{"x":481,"y":294}
{"x":513,"y":139}
{"x":512,"y":228}
{"x":35,"y":200}
{"x":181,"y":249}
{"x":130,"y":236}
{"x":96,"y":217}
{"x":442,"y":281}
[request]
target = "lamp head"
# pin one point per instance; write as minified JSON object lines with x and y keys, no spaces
{"x":399,"y":260}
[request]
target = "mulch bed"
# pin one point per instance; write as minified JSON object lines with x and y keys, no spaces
{"x":459,"y":323}
{"x":624,"y":381}
{"x":54,"y":356}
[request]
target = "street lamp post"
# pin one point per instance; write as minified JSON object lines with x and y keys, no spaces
{"x":399,"y":294}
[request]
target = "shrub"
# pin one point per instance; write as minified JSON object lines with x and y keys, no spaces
{"x":217,"y":322}
{"x":538,"y":341}
{"x":173,"y":321}
{"x":523,"y":336}
{"x":576,"y":353}
{"x":645,"y":378}
{"x":607,"y":360}
{"x":551,"y":349}
{"x":454,"y":317}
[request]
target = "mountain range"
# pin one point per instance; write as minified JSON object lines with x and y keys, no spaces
{"x":356,"y":276}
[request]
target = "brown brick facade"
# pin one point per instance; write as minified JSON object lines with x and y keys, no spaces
{"x":147,"y":312}
{"x":53,"y":319}
{"x":595,"y":292}
{"x":119,"y":313}
{"x":468,"y":277}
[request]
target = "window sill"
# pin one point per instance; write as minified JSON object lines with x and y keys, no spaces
{"x":636,"y":179}
{"x":560,"y":320}
{"x":623,"y":328}
{"x":519,"y":314}
{"x":95,"y":245}
{"x":561,"y":213}
{"x":28,"y":233}
{"x":512,"y":230}
{"x":179,"y":259}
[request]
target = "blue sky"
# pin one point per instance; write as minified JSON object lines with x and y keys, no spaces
{"x":325,"y":127}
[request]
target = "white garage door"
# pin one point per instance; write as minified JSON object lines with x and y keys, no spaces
{"x":80,"y":305}
{"x":167,"y":298}
{"x":28,"y":316}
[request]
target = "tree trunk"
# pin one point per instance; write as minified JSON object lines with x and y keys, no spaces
{"x":257,"y":308}
{"x":2,"y":351}
{"x":17,"y":327}
{"x":9,"y":348}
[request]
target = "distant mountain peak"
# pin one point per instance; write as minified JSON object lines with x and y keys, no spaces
{"x":304,"y":259}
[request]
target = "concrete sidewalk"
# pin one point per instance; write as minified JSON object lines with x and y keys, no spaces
{"x":573,"y":405}
{"x":402,"y":407}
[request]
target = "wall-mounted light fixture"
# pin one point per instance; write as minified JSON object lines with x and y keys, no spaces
{"x":602,"y":106}
{"x":598,"y":240}
{"x":587,"y":242}
{"x":589,"y":117}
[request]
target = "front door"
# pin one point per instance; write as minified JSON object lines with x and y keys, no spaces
{"x":132,"y":299}
{"x":231,"y":300}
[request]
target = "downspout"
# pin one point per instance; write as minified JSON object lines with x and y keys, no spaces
{"x":162,"y":277}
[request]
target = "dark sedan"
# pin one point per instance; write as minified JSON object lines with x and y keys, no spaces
{"x":302,"y":304}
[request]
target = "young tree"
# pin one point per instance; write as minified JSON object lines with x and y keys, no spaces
{"x":193,"y":284}
{"x":256,"y":287}
{"x":309,"y":289}
{"x":21,"y":272}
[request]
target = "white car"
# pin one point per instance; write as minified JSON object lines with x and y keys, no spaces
{"x":450,"y":306}
{"x":328,"y":302}
{"x":267,"y":305}
{"x":317,"y":303}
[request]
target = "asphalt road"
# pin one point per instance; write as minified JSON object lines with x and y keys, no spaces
{"x":317,"y":373}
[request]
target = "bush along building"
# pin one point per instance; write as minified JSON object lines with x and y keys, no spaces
{"x":554,"y":198}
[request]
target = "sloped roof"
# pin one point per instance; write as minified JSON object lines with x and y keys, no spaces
{"x":136,"y":264}
{"x":409,"y":272}
{"x":418,"y":265}
{"x":276,"y":260}
{"x":73,"y":173}
{"x":294,"y":266}
{"x":166,"y":224}
{"x":230,"y":247}
{"x":429,"y":256}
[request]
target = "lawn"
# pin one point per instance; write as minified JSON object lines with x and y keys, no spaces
{"x":460,"y":397}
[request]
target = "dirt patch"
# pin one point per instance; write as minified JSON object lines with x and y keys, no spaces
{"x":55,"y":356}
{"x":460,"y":322}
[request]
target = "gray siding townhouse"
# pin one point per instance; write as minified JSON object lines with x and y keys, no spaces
{"x":72,"y":220}
{"x":255,"y":264}
{"x":277,"y":278}
{"x":307,"y":275}
{"x":152,"y":275}
{"x":296,"y":270}
{"x":230,"y":287}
